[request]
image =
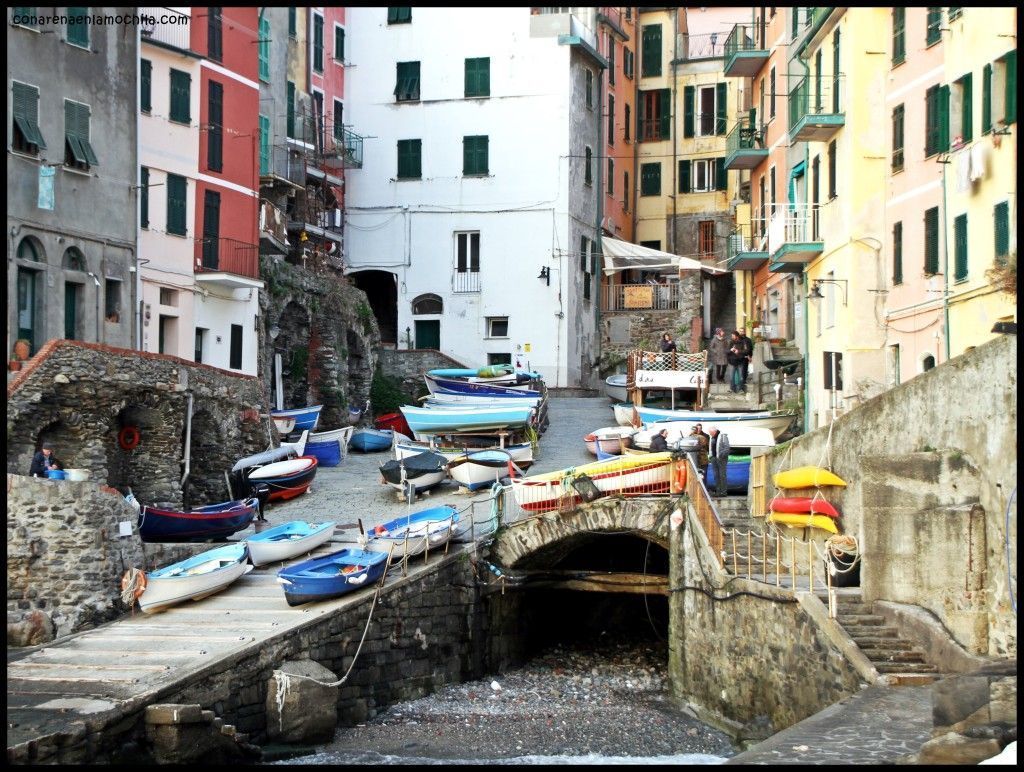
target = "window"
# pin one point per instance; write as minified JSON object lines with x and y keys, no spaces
{"x":625,"y":191}
{"x":235,"y":362}
{"x":146,"y":85}
{"x":112,"y":300}
{"x":199,"y":344}
{"x":611,"y":178}
{"x":588,"y":174}
{"x":211,"y":230}
{"x":655,"y":118}
{"x":836,"y":71}
{"x":611,"y":119}
{"x":1005,"y":83}
{"x":933,"y":31}
{"x":986,"y":99}
{"x":339,"y":122}
{"x":626,"y":121}
{"x":650,"y":64}
{"x":497,"y":326}
{"x":936,"y":136}
{"x":264,"y":50}
{"x":499,"y":359}
{"x":428,"y":304}
{"x":931,"y":241}
{"x":819,"y":106}
{"x":611,"y":60}
{"x":772,"y":187}
{"x":181,"y":91}
{"x":584,"y":252}
{"x":318,"y":117}
{"x":702,"y":176}
{"x":1001,"y":216}
{"x":215,"y":132}
{"x":961,"y":98}
{"x":897,"y":138}
{"x":409,"y":159}
{"x":290,"y":107}
{"x":339,"y":43}
{"x":833,"y":188}
{"x":318,"y":43}
{"x":475,"y":155}
{"x":628,"y":63}
{"x":399,"y":15}
{"x":292,"y":26}
{"x":177,"y":189}
{"x":144,"y":199}
{"x":708,"y":105}
{"x":478,"y":77}
{"x":213,"y":34}
{"x":897,"y":253}
{"x":168,"y":297}
{"x":78,"y":152}
{"x":26,"y":137}
{"x":264,"y":145}
{"x":650,"y":179}
{"x":654,"y":244}
{"x":771,"y":93}
{"x":407,"y":86}
{"x":833,"y":370}
{"x":706,"y":238}
{"x":589,"y":77}
{"x":960,"y":248}
{"x":928,"y":363}
{"x":78,"y":29}
{"x":467,"y":263}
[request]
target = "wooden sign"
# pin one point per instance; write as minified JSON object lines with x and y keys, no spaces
{"x":637,"y":296}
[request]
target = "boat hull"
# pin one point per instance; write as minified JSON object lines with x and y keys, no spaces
{"x":195,"y":578}
{"x":324,"y":578}
{"x":683,"y":420}
{"x":413,"y":535}
{"x":286,"y":479}
{"x":217,"y":521}
{"x":479,"y":470}
{"x":471,"y":387}
{"x":424,"y":470}
{"x":442,"y":420}
{"x":287,"y":541}
{"x":610,"y":439}
{"x":615,"y":388}
{"x":737,"y":476}
{"x":521,"y":453}
{"x":371,"y":440}
{"x":305,"y":417}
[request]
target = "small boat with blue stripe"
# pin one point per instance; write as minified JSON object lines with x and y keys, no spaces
{"x":209,"y":523}
{"x":305,"y":417}
{"x":367,"y":440}
{"x":480,"y":469}
{"x":195,"y":578}
{"x":445,"y":420}
{"x":287,"y":541}
{"x":331,"y":576}
{"x":413,"y":534}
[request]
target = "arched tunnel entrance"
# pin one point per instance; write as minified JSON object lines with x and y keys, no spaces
{"x":381,"y":290}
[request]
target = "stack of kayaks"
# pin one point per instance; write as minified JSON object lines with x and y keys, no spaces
{"x":805,"y":511}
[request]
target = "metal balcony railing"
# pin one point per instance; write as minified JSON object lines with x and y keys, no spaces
{"x":284,"y":162}
{"x":466,"y":281}
{"x":814,"y":96}
{"x":227,"y":256}
{"x":629,"y":297}
{"x":747,"y":238}
{"x":744,"y":145}
{"x":741,"y":39}
{"x":793,"y":225}
{"x":166,"y":26}
{"x":709,"y":45}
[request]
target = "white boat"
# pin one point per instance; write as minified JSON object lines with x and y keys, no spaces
{"x":299,"y":446}
{"x":422,"y":471}
{"x":479,"y":469}
{"x":194,"y":578}
{"x":287,"y":541}
{"x":285,"y":424}
{"x":624,"y":414}
{"x":521,"y":452}
{"x":615,"y":387}
{"x":280,"y":468}
{"x":610,"y":439}
{"x":342,"y":435}
{"x":742,"y":439}
{"x":413,"y":534}
{"x":475,"y":400}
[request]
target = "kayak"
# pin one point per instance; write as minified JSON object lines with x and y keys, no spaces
{"x":803,"y":506}
{"x":806,"y":477}
{"x":803,"y":521}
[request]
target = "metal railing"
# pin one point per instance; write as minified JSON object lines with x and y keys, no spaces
{"x":465,"y":281}
{"x":767,"y":380}
{"x":740,"y":39}
{"x":706,"y":511}
{"x":793,"y":224}
{"x":286,"y":163}
{"x":630,"y":297}
{"x":745,"y":135}
{"x":227,"y":256}
{"x":157,"y":27}
{"x":748,"y":237}
{"x":708,"y":45}
{"x":813,"y":96}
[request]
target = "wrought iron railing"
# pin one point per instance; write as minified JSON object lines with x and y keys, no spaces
{"x":286,"y":163}
{"x":747,"y":237}
{"x":227,"y":256}
{"x":740,"y":39}
{"x":466,"y":281}
{"x":745,"y":135}
{"x":792,"y":224}
{"x":816,"y":96}
{"x":708,"y":45}
{"x":158,"y":26}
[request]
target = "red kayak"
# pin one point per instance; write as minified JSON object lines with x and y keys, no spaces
{"x":803,"y":506}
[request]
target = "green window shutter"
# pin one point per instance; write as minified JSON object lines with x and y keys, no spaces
{"x":264,"y":50}
{"x":588,"y":174}
{"x":931,"y":121}
{"x":933,"y":33}
{"x":833,"y":188}
{"x":721,"y":107}
{"x":1001,"y":215}
{"x":584,"y":250}
{"x":144,"y":199}
{"x":339,"y":44}
{"x":931,"y":241}
{"x":211,"y":229}
{"x":897,"y":137}
{"x":292,"y":26}
{"x":76,"y":132}
{"x":665,"y":114}
{"x":407,"y":85}
{"x":339,"y":121}
{"x":318,"y":43}
{"x":78,"y":33}
{"x":689,"y":95}
{"x":986,"y":99}
{"x":684,"y":176}
{"x":177,"y":188}
{"x":214,"y":34}
{"x":264,"y":145}
{"x":650,"y":63}
{"x":215,"y":135}
{"x":836,"y":72}
{"x":1010,"y":61}
{"x":478,"y":77}
{"x":475,"y":155}
{"x":967,"y":108}
{"x":943,"y":113}
{"x":410,"y":159}
{"x":953,"y":12}
{"x":897,"y":253}
{"x":399,"y":15}
{"x":146,"y":86}
{"x":650,"y":179}
{"x":26,"y":112}
{"x":181,"y":96}
{"x":899,"y":26}
{"x":721,"y":175}
{"x":611,"y":119}
{"x":960,"y":247}
{"x":290,"y":122}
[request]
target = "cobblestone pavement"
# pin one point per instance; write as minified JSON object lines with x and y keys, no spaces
{"x":878,"y":725}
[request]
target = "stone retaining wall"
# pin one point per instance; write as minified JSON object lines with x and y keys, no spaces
{"x":409,"y":365}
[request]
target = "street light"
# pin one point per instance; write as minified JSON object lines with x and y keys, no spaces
{"x":815,"y":293}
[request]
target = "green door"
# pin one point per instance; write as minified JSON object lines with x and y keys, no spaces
{"x":71,"y":294}
{"x":27,"y":307}
{"x":428,"y":333}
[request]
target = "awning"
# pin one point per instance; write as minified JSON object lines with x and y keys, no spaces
{"x":623,"y":256}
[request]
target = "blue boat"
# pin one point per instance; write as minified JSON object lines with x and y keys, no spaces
{"x":216,"y":521}
{"x":492,"y":388}
{"x":326,"y":453}
{"x":371,"y":440}
{"x":305,"y":417}
{"x":737,"y":475}
{"x":287,"y":541}
{"x":445,"y":420}
{"x":331,"y":576}
{"x":412,"y":534}
{"x":480,"y":469}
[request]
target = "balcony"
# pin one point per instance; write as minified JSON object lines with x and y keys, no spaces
{"x":466,"y":281}
{"x":636,"y":297}
{"x":227,"y":262}
{"x":815,"y":109}
{"x":744,"y":147}
{"x":743,"y":58}
{"x":283,"y":164}
{"x":794,"y":238}
{"x":747,"y":247}
{"x":273,"y":230}
{"x":158,"y":29}
{"x":344,"y":152}
{"x":709,"y":45}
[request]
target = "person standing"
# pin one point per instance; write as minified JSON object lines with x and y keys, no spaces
{"x":735,"y":358}
{"x":667,"y":344}
{"x":748,"y":346}
{"x":43,"y":461}
{"x":719,"y":451}
{"x":718,"y":349}
{"x":659,"y":443}
{"x":702,"y":449}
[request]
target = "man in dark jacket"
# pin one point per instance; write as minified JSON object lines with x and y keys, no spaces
{"x":43,"y":461}
{"x":748,"y":346}
{"x":719,"y":451}
{"x":659,"y":443}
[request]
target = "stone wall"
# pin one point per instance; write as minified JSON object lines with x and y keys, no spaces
{"x":65,"y":557}
{"x":409,"y":365}
{"x":966,"y":407}
{"x":79,"y":396}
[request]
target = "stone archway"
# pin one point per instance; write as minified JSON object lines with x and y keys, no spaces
{"x":292,"y":342}
{"x":208,"y":460}
{"x":153,"y":468}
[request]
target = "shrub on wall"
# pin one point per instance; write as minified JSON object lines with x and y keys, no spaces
{"x":387,"y":394}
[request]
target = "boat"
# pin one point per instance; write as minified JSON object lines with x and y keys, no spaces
{"x":460,"y":386}
{"x":479,"y":469}
{"x":287,"y":541}
{"x":803,"y":506}
{"x":521,"y":453}
{"x":215,"y":521}
{"x":438,"y":420}
{"x":298,"y":446}
{"x":329,"y":447}
{"x":369,"y":440}
{"x":610,"y":439}
{"x":393,"y":421}
{"x":285,"y":424}
{"x":415,"y":533}
{"x":331,"y":576}
{"x":806,"y":477}
{"x":286,"y":479}
{"x":195,"y":578}
{"x":743,"y":440}
{"x":625,"y":414}
{"x":615,"y":387}
{"x":305,"y":417}
{"x":266,"y":457}
{"x":424,"y":470}
{"x":449,"y":396}
{"x":737,"y":475}
{"x":823,"y":522}
{"x":778,"y":422}
{"x":341,"y":435}
{"x":623,"y":475}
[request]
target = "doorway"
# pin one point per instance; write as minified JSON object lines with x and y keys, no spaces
{"x":27,"y":316}
{"x":428,"y":333}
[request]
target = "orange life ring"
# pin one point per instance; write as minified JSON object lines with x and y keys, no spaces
{"x":129,"y":437}
{"x":135,"y":579}
{"x":678,"y":483}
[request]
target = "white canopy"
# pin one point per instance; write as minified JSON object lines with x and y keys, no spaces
{"x":622,"y":256}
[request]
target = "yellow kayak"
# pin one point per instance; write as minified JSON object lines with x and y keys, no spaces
{"x":803,"y":521}
{"x":806,"y":477}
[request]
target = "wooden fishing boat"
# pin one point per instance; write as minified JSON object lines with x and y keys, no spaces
{"x":368,"y":440}
{"x":610,"y":439}
{"x":298,"y":447}
{"x":823,"y":522}
{"x":331,"y":576}
{"x":442,"y":391}
{"x":287,"y":541}
{"x":623,"y":475}
{"x":333,"y":435}
{"x":424,"y":470}
{"x":329,"y":447}
{"x":520,"y":384}
{"x":413,"y":534}
{"x":479,"y":469}
{"x":286,"y":479}
{"x":285,"y":424}
{"x":743,"y":440}
{"x":490,"y":400}
{"x":305,"y":417}
{"x":195,"y":578}
{"x":215,"y":521}
{"x":393,"y":421}
{"x":520,"y":452}
{"x":684,"y":420}
{"x":615,"y":387}
{"x":445,"y":420}
{"x":803,"y":506}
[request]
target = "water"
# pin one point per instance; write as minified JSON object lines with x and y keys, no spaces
{"x":591,"y":703}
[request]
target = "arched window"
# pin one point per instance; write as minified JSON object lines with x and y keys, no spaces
{"x":74,"y":260}
{"x":927,"y":363}
{"x":29,"y":249}
{"x":427,"y":304}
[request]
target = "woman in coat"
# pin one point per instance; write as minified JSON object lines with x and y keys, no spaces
{"x":718,"y":351}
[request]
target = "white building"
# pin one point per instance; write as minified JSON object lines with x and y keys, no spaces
{"x":472,"y":222}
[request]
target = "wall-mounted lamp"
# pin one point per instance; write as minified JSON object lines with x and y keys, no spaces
{"x":815,"y":293}
{"x":545,"y":274}
{"x":274,"y":331}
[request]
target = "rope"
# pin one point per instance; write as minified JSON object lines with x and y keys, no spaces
{"x":827,"y":450}
{"x":131,"y":582}
{"x":778,"y":468}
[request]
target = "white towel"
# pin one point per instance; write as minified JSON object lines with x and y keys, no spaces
{"x":979,"y":154}
{"x":963,"y":172}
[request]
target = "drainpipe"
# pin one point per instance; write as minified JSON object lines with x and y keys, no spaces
{"x":96,"y":281}
{"x":600,"y":216}
{"x":675,"y":97}
{"x":807,"y":279}
{"x":188,"y":441}
{"x":945,"y":259}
